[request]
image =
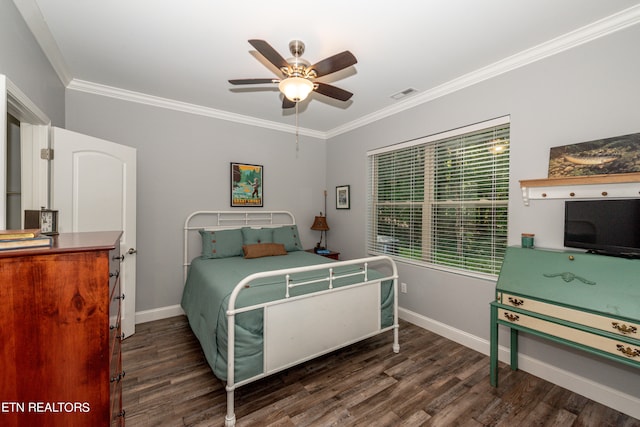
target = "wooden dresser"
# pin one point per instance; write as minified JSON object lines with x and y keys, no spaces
{"x":590,"y":302}
{"x":60,"y":333}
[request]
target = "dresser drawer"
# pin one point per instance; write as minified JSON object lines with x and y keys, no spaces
{"x":609,"y":324}
{"x":115,"y":336}
{"x":114,"y":267}
{"x":608,"y":345}
{"x":117,"y":413}
{"x":115,"y":392}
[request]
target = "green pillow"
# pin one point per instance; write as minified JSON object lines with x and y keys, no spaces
{"x":251,"y":236}
{"x":288,"y":236}
{"x":221,"y":243}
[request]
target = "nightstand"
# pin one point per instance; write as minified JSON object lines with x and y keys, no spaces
{"x":331,"y":254}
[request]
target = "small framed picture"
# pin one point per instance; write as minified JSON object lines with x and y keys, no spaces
{"x":246,"y":185}
{"x":343,"y":198}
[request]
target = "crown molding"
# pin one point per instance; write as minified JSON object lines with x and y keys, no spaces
{"x":185,"y":107}
{"x":595,"y":30}
{"x":35,"y":21}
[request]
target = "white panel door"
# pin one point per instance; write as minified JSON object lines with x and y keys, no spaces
{"x":94,"y":189}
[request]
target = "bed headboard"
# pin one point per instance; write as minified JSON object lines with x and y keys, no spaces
{"x":225,"y":220}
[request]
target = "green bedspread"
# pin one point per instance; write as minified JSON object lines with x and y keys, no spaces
{"x":206,"y":294}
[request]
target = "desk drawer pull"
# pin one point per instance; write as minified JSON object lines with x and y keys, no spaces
{"x":516,"y":301}
{"x":628,"y":351}
{"x":511,"y":317}
{"x":624,"y":329}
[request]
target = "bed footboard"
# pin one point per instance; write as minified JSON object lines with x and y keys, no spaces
{"x":300,"y":328}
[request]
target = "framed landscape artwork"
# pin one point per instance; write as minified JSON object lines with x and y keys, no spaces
{"x":343,"y":198}
{"x":247,"y":185}
{"x":607,"y":156}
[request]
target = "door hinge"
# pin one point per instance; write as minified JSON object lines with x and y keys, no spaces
{"x":46,"y":154}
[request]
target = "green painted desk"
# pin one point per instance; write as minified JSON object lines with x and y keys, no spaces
{"x":590,"y":302}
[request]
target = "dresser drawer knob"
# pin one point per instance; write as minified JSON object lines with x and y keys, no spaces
{"x":121,"y":336}
{"x":624,"y":329}
{"x":116,"y":326}
{"x":118,"y":377}
{"x":121,"y":414}
{"x":628,"y":351}
{"x":516,"y":301}
{"x":116,"y":274}
{"x":121,"y":258}
{"x":512,"y":317}
{"x":120,"y":297}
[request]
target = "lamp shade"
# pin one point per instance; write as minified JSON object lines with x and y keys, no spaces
{"x":320,"y":224}
{"x":295,"y":88}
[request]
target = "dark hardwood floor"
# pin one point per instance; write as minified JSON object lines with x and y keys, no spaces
{"x":431,"y":382}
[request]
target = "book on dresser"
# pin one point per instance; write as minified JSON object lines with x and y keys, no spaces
{"x":19,"y":234}
{"x":25,"y":242}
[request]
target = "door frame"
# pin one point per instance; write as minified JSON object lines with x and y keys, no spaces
{"x":34,"y":136}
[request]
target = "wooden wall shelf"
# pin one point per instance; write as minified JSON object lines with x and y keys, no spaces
{"x":626,"y":185}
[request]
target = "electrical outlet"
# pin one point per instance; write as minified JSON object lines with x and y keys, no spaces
{"x":403,"y":288}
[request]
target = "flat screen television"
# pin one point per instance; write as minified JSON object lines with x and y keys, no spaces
{"x":609,"y":227}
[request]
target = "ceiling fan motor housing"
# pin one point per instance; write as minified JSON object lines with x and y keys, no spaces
{"x":296,"y":47}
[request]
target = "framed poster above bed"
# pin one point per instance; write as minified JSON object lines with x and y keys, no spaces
{"x":247,"y":185}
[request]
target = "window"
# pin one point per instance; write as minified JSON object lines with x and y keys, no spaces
{"x":443,"y":200}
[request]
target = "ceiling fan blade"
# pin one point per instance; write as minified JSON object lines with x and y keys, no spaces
{"x":334,"y":63}
{"x":287,"y":103}
{"x":269,"y":53}
{"x":252,"y":81}
{"x":332,"y":91}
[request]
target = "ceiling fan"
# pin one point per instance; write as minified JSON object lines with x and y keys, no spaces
{"x":298,"y":75}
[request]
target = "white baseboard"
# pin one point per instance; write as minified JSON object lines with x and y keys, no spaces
{"x":158,"y":313}
{"x":597,"y":392}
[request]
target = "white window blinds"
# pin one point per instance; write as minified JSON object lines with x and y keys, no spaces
{"x":443,"y":199}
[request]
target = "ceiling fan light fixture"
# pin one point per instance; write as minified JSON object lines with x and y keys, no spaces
{"x":296,"y":89}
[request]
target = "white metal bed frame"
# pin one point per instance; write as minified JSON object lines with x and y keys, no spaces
{"x":325,"y":321}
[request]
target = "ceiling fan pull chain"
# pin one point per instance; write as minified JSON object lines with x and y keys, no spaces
{"x":297,"y":136}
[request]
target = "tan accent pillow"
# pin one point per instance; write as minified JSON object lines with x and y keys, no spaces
{"x":260,"y":250}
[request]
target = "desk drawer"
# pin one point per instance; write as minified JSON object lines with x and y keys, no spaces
{"x":609,"y":324}
{"x":595,"y":341}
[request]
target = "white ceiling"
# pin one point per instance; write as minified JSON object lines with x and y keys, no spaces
{"x":180,"y":54}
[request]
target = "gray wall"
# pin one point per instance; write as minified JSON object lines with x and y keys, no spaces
{"x":23,"y":62}
{"x":589,"y":92}
{"x":183,"y":166}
